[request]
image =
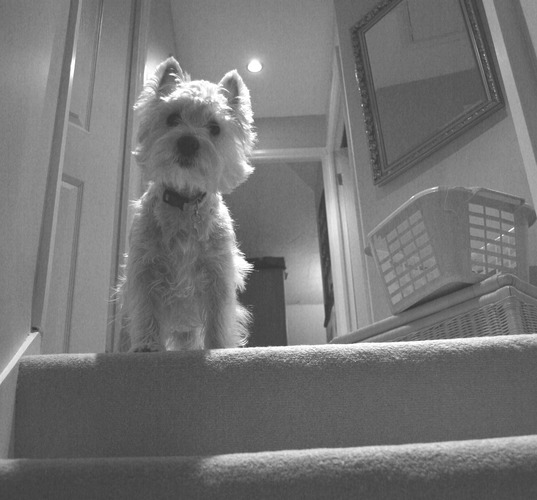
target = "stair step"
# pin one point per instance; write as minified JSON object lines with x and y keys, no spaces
{"x":484,"y":469}
{"x":266,"y":399}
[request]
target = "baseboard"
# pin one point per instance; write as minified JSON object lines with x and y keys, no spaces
{"x":8,"y":385}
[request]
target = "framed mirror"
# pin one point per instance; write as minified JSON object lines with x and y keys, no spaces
{"x":425,"y":75}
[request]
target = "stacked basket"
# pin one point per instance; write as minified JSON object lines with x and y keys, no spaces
{"x":440,"y":241}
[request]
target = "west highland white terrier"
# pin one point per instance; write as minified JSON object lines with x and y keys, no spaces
{"x":184,"y":267}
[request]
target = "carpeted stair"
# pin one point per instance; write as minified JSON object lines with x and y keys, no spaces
{"x":450,"y":419}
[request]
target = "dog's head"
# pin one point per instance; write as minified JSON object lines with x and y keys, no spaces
{"x":194,"y":135}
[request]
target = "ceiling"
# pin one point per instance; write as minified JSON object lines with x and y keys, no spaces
{"x":292,"y":38}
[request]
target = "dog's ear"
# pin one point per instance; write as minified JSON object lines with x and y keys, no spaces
{"x":237,"y":95}
{"x":238,"y":98}
{"x":164,"y":81}
{"x":169,"y":75}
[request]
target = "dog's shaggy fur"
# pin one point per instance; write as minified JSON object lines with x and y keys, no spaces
{"x":184,"y":267}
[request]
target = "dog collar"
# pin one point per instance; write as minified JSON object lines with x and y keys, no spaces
{"x":175,"y":199}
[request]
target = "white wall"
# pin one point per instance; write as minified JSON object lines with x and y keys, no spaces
{"x":161,"y":36}
{"x":305,"y":324}
{"x":291,"y":132}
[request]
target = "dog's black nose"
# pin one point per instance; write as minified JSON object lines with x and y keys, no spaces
{"x":187,"y":145}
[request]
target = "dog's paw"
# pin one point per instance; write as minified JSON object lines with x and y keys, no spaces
{"x":147,"y":348}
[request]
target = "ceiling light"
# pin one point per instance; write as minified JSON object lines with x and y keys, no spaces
{"x":254,"y":66}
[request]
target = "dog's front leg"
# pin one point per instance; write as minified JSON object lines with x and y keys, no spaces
{"x":142,"y":314}
{"x":220,"y":310}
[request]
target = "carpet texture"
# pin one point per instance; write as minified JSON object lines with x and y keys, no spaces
{"x":501,"y":468}
{"x":485,"y":469}
{"x":439,"y":419}
{"x":261,"y":399}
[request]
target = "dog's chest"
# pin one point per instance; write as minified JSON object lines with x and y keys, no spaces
{"x":186,"y":253}
{"x":188,"y":249}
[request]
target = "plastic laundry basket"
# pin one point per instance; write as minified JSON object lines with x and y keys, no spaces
{"x":445,"y":238}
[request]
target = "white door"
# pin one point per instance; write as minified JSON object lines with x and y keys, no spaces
{"x":83,"y":263}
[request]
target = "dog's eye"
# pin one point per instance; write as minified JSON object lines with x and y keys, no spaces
{"x":173,"y":120}
{"x":214,"y":128}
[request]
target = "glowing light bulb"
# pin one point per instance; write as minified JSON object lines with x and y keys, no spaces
{"x":254,"y":66}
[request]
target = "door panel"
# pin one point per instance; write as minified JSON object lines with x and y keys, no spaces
{"x":90,"y":30}
{"x":64,"y":267}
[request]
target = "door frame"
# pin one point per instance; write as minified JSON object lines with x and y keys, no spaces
{"x":356,"y":269}
{"x":135,"y":79}
{"x":351,"y":283}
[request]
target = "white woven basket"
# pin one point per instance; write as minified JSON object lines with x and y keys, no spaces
{"x":504,"y":312}
{"x":499,"y":305}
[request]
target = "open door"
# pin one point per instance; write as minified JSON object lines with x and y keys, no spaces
{"x":85,"y":200}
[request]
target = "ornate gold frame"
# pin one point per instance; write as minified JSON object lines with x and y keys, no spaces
{"x":382,"y":170}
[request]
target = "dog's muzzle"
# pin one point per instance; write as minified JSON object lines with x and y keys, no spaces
{"x":187,"y":146}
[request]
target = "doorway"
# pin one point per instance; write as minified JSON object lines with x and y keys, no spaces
{"x":275,"y":213}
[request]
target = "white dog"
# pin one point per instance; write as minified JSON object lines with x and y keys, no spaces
{"x":184,"y":267}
